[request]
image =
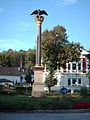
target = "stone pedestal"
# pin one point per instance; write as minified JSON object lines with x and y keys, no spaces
{"x":38,"y":86}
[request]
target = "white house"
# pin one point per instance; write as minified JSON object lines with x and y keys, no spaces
{"x":5,"y":82}
{"x":74,"y":76}
{"x":12,"y":74}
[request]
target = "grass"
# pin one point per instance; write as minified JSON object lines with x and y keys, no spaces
{"x":12,"y":103}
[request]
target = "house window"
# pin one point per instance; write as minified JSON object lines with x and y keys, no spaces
{"x":74,"y":80}
{"x":74,"y":66}
{"x":69,"y":81}
{"x":79,"y":66}
{"x":68,"y":66}
{"x":79,"y":81}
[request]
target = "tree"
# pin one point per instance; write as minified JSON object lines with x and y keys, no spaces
{"x":30,"y":59}
{"x":9,"y":57}
{"x":12,"y":58}
{"x":50,"y":80}
{"x":57,"y":49}
{"x":28,"y":77}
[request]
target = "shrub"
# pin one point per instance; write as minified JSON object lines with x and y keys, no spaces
{"x":83,"y":91}
{"x":69,"y":90}
{"x":8,"y":92}
{"x":23,"y":90}
{"x":1,"y":87}
{"x":76,"y":91}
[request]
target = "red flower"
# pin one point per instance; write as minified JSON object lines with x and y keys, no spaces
{"x":82,"y":105}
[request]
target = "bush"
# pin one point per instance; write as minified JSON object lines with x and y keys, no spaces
{"x":23,"y":90}
{"x":1,"y":87}
{"x":69,"y":90}
{"x":61,"y":103}
{"x":8,"y":92}
{"x":83,"y":91}
{"x":76,"y":91}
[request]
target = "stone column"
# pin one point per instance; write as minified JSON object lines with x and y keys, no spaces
{"x":39,"y":20}
{"x":38,"y":86}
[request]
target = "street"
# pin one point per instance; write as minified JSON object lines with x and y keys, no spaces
{"x":44,"y":116}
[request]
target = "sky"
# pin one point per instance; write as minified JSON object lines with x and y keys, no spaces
{"x":18,"y":27}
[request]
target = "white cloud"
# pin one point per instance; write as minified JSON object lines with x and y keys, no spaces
{"x":69,"y":2}
{"x":65,"y":2}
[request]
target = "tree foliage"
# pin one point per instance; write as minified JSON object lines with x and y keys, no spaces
{"x":57,"y":51}
{"x":30,"y":59}
{"x":12,"y":58}
{"x":50,"y":80}
{"x":56,"y":48}
{"x":28,"y":77}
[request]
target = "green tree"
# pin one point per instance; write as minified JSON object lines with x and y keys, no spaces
{"x":9,"y":57}
{"x":12,"y":58}
{"x":2,"y":59}
{"x":57,"y":49}
{"x":28,"y":77}
{"x":29,"y":65}
{"x":30,"y":59}
{"x":50,"y":80}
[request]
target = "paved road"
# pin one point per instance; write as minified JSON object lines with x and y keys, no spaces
{"x":44,"y":116}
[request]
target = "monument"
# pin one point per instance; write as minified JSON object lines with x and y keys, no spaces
{"x":38,"y":85}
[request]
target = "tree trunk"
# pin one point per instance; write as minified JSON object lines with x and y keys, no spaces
{"x":49,"y":88}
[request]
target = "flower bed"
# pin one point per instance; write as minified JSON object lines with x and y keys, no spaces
{"x":81,"y":105}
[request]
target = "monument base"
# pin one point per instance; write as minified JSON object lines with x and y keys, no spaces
{"x":38,"y":85}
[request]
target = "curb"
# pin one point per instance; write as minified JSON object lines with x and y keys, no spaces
{"x":49,"y":111}
{"x":63,"y":111}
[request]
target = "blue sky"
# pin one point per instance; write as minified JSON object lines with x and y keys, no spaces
{"x":18,"y":28}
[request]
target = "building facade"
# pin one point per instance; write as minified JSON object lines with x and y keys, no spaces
{"x":12,"y":74}
{"x":74,"y":76}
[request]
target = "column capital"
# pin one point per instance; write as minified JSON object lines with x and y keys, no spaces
{"x":39,"y":19}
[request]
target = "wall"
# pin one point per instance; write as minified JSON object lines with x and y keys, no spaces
{"x":12,"y":78}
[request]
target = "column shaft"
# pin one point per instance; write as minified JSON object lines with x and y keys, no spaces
{"x":38,"y":50}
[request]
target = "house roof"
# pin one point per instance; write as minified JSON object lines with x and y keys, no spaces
{"x":84,"y":52}
{"x":10,"y":71}
{"x":5,"y":80}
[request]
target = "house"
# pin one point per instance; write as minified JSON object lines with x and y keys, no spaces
{"x":74,"y":76}
{"x":12,"y":74}
{"x":5,"y":82}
